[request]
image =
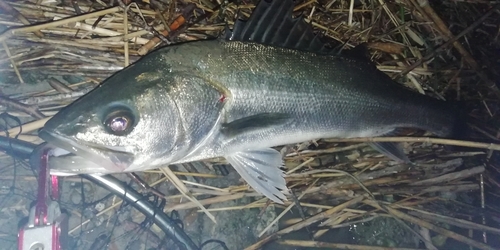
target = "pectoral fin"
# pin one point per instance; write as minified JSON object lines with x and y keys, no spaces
{"x":261,"y":170}
{"x":254,"y":122}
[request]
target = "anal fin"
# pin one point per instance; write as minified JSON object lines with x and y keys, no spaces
{"x":261,"y":170}
{"x":392,"y":150}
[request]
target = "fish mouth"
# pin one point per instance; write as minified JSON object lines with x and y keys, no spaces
{"x":72,"y":158}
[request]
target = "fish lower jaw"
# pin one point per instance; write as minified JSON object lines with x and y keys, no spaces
{"x":70,"y":157}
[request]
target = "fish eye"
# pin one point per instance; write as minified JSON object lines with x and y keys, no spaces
{"x":119,"y":122}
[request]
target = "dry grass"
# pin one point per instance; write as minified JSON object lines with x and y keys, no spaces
{"x":444,"y":49}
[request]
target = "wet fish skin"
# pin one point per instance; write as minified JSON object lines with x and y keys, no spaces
{"x":236,"y":100}
{"x":324,"y":96}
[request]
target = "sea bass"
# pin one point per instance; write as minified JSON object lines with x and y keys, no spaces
{"x":268,"y":82}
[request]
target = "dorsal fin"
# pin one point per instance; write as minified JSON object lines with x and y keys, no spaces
{"x":271,"y":23}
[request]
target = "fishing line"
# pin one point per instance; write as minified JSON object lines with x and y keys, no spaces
{"x":122,"y":205}
{"x":6,"y":116}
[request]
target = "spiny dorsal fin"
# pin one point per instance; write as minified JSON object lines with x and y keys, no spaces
{"x":271,"y":23}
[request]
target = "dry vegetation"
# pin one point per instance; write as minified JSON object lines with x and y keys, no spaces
{"x":447,"y":49}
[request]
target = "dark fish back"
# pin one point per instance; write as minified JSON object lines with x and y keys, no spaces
{"x":347,"y":77}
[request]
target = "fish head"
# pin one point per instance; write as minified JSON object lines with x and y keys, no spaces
{"x":125,"y":124}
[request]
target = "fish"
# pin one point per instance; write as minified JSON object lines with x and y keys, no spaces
{"x":267,"y":82}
